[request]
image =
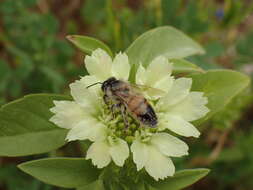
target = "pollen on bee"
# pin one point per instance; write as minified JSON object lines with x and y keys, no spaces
{"x":116,"y":122}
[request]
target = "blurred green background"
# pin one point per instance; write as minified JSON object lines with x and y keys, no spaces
{"x":35,"y":57}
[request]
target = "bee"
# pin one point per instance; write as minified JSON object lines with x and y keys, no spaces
{"x":121,"y":95}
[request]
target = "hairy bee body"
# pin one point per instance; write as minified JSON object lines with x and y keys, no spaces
{"x":122,"y":95}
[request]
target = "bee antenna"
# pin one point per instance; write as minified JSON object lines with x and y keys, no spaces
{"x":94,"y":84}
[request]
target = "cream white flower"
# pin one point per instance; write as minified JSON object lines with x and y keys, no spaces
{"x":179,"y":107}
{"x":102,"y":152}
{"x":157,"y":75}
{"x":85,"y":116}
{"x":175,"y":110}
{"x":100,"y":65}
{"x":153,"y":153}
{"x":88,"y":118}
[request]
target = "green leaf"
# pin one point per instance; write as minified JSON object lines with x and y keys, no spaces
{"x":88,"y":44}
{"x":96,"y":185}
{"x":62,"y":172}
{"x":140,"y":185}
{"x":219,"y":86}
{"x":184,"y":66}
{"x":181,"y":179}
{"x":25,"y":128}
{"x":166,"y":41}
{"x":5,"y":70}
{"x":149,"y":187}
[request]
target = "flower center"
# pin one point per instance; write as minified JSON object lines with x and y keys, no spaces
{"x":122,"y":126}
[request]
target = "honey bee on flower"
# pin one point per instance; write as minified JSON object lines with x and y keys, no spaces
{"x":119,"y":95}
{"x":118,"y":119}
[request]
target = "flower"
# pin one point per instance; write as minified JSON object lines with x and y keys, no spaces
{"x":179,"y":107}
{"x":157,"y":75}
{"x":153,"y":152}
{"x":101,"y":152}
{"x":88,"y":117}
{"x":101,"y":66}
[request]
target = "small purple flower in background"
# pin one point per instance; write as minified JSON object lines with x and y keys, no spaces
{"x":219,"y":14}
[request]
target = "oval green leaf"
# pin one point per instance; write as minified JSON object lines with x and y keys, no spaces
{"x":88,"y":44}
{"x":166,"y":41}
{"x":96,"y":185}
{"x":181,"y":179}
{"x":62,"y":172}
{"x":25,"y":128}
{"x":184,"y":66}
{"x":219,"y":86}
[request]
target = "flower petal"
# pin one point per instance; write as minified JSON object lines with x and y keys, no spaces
{"x":121,"y":67}
{"x":158,"y":69}
{"x":86,"y":98}
{"x":87,"y":129}
{"x":67,"y":114}
{"x":89,"y":80}
{"x":140,"y":154}
{"x":164,"y":85}
{"x":192,"y":107}
{"x":98,"y":152}
{"x":99,"y":64}
{"x":180,"y":126}
{"x":156,"y":75}
{"x":179,"y":90}
{"x":119,"y":152}
{"x":158,"y":166}
{"x":169,"y":145}
{"x":141,"y":76}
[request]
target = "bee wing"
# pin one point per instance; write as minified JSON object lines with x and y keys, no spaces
{"x":153,"y":91}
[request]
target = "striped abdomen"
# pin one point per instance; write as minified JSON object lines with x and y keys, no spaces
{"x":142,"y":110}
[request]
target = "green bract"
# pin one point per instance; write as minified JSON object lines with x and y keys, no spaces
{"x":25,"y":128}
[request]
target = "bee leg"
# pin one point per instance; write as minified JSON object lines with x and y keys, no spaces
{"x":106,"y":99}
{"x":113,"y":110}
{"x":124,"y":114}
{"x":112,"y":107}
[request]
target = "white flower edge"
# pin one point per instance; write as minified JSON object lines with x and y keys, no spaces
{"x":181,"y":106}
{"x":156,"y":75}
{"x":100,"y":65}
{"x":154,"y":154}
{"x":67,"y":114}
{"x":102,"y":152}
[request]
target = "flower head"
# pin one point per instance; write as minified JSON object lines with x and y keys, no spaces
{"x":88,"y":117}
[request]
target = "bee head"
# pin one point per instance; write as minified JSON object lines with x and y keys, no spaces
{"x":108,"y":83}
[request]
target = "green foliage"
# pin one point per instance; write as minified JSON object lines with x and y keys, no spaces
{"x":219,"y":86}
{"x":97,"y":185}
{"x":239,"y":155}
{"x":181,"y":179}
{"x":184,"y":66}
{"x":207,"y":61}
{"x":88,"y":44}
{"x":5,"y":75}
{"x":36,"y":57}
{"x":227,"y":117}
{"x":14,"y":179}
{"x":25,"y":128}
{"x":162,"y":41}
{"x":244,"y":46}
{"x":63,"y":172}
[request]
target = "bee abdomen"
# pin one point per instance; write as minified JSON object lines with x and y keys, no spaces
{"x":149,"y":117}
